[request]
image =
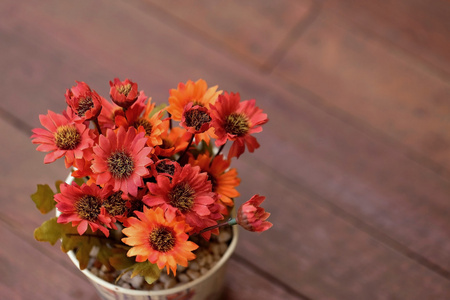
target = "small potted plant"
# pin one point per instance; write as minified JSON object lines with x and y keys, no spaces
{"x":147,"y":209}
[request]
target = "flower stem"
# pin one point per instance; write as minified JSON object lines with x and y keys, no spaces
{"x":230,"y":222}
{"x":218,"y":152}
{"x":187,"y":148}
{"x":97,"y":125}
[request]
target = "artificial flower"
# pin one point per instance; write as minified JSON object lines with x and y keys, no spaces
{"x":121,"y":160}
{"x":123,"y":93}
{"x":161,"y":240}
{"x":187,"y":193}
{"x":237,"y":121}
{"x":223,"y":180}
{"x":82,"y":206}
{"x":173,"y":140}
{"x":144,"y":120}
{"x":85,"y":102}
{"x":62,"y":138}
{"x":184,"y":104}
{"x":252,"y":217}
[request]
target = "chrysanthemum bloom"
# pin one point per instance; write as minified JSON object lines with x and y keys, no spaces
{"x":191,"y":92}
{"x":62,"y":137}
{"x":189,"y":193}
{"x":123,"y":93}
{"x":160,"y":240}
{"x":82,"y":206}
{"x":223,"y":180}
{"x":173,"y":141}
{"x":141,"y":118}
{"x":237,"y":121}
{"x":252,"y":217}
{"x":197,"y":94}
{"x":84,"y":102}
{"x":120,"y":160}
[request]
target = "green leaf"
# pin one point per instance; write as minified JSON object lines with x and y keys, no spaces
{"x":43,"y":198}
{"x":79,"y":181}
{"x":50,"y":231}
{"x":157,"y":109}
{"x":119,"y":259}
{"x":58,"y":184}
{"x":146,"y":269}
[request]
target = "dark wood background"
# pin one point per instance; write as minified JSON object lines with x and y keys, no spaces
{"x":355,"y":161}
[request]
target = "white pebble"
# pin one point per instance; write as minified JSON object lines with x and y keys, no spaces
{"x":194,"y":266}
{"x":170,"y":284}
{"x":193,"y":274}
{"x":136,"y":281}
{"x":157,"y":287}
{"x":214,"y":248}
{"x":126,"y":285}
{"x":203,"y":271}
{"x":224,"y":236}
{"x":223,"y":247}
{"x":183,"y":278}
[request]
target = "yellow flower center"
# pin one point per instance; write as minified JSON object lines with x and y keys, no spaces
{"x":124,"y":89}
{"x":84,"y":105}
{"x":88,"y":207}
{"x":182,"y":196}
{"x":144,"y":123}
{"x":115,"y":205}
{"x":236,"y":124}
{"x":162,"y":239}
{"x":120,"y":165}
{"x":196,"y":118}
{"x":67,"y":137}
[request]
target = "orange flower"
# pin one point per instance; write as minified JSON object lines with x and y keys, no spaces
{"x":63,"y":137}
{"x":223,"y":181}
{"x":139,"y":117}
{"x":159,"y":240}
{"x":173,"y":140}
{"x":121,"y":160}
{"x":252,"y":217}
{"x":196,"y":94}
{"x":236,"y":121}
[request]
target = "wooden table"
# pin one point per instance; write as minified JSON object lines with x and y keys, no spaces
{"x":355,"y":161}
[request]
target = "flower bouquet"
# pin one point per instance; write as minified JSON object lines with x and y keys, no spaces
{"x":149,"y":185}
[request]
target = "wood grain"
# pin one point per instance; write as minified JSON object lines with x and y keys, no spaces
{"x":361,"y":79}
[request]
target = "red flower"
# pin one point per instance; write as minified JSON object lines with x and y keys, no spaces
{"x":123,"y":93}
{"x":188,"y":193}
{"x":195,"y":118}
{"x":82,"y":206}
{"x":63,"y":137}
{"x":252,"y":217}
{"x":120,"y":160}
{"x":85,"y":103}
{"x":236,"y":121}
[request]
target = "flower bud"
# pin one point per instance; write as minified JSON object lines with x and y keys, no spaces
{"x":252,"y":217}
